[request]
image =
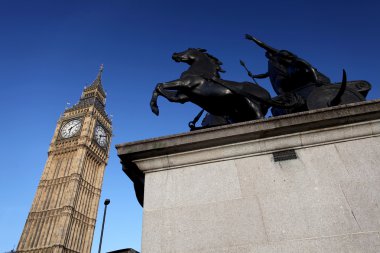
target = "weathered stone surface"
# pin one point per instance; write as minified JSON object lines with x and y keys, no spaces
{"x":196,"y":185}
{"x":299,"y":140}
{"x":312,"y":212}
{"x":361,"y":159}
{"x":364,"y":200}
{"x":351,"y":243}
{"x":203,"y":227}
{"x":220,"y":190}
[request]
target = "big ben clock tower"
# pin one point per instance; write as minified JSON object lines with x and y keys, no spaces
{"x":63,"y":214}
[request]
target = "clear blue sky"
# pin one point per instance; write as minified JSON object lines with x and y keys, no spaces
{"x":49,"y":50}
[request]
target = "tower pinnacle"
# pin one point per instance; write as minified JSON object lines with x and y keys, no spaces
{"x":93,"y":95}
{"x":98,"y":79}
{"x":96,"y":84}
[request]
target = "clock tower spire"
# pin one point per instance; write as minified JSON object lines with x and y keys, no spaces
{"x":63,"y":214}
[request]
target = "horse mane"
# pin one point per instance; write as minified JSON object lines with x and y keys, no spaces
{"x":213,"y":59}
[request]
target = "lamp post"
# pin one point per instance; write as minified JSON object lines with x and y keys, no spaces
{"x":106,"y":202}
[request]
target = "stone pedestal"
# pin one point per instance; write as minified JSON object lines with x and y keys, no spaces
{"x":233,"y":189}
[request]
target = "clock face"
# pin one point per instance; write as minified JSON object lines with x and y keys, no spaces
{"x":71,"y":128}
{"x":100,"y":136}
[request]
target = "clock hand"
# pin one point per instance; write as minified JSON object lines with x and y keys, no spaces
{"x":72,"y":127}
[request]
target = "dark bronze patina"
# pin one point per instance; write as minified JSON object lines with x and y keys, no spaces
{"x":299,"y":87}
{"x":290,"y":74}
{"x":201,"y":85}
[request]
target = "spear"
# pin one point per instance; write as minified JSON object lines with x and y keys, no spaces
{"x":248,"y":72}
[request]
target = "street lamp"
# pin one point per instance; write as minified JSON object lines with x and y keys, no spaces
{"x":106,"y":202}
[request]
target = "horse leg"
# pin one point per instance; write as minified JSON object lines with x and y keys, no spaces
{"x":165,"y":90}
{"x":176,"y":97}
{"x":153,"y":102}
{"x":172,"y":90}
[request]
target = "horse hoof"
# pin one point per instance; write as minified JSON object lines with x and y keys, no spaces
{"x":155,"y":110}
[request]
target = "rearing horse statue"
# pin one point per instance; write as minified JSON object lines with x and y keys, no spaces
{"x":201,"y":85}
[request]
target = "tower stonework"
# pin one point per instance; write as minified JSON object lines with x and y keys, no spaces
{"x":63,"y":214}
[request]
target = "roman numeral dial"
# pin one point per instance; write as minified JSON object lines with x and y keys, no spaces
{"x":100,"y":136}
{"x":71,"y":128}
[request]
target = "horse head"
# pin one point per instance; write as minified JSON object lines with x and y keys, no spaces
{"x":189,"y":55}
{"x":207,"y":62}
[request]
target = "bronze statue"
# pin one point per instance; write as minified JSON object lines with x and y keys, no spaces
{"x":290,"y":74}
{"x":299,"y":87}
{"x":201,"y":85}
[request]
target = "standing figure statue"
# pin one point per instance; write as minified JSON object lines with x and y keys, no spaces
{"x":291,"y":75}
{"x":201,"y":85}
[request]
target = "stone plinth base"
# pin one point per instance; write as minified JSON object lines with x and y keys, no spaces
{"x":231,"y":189}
